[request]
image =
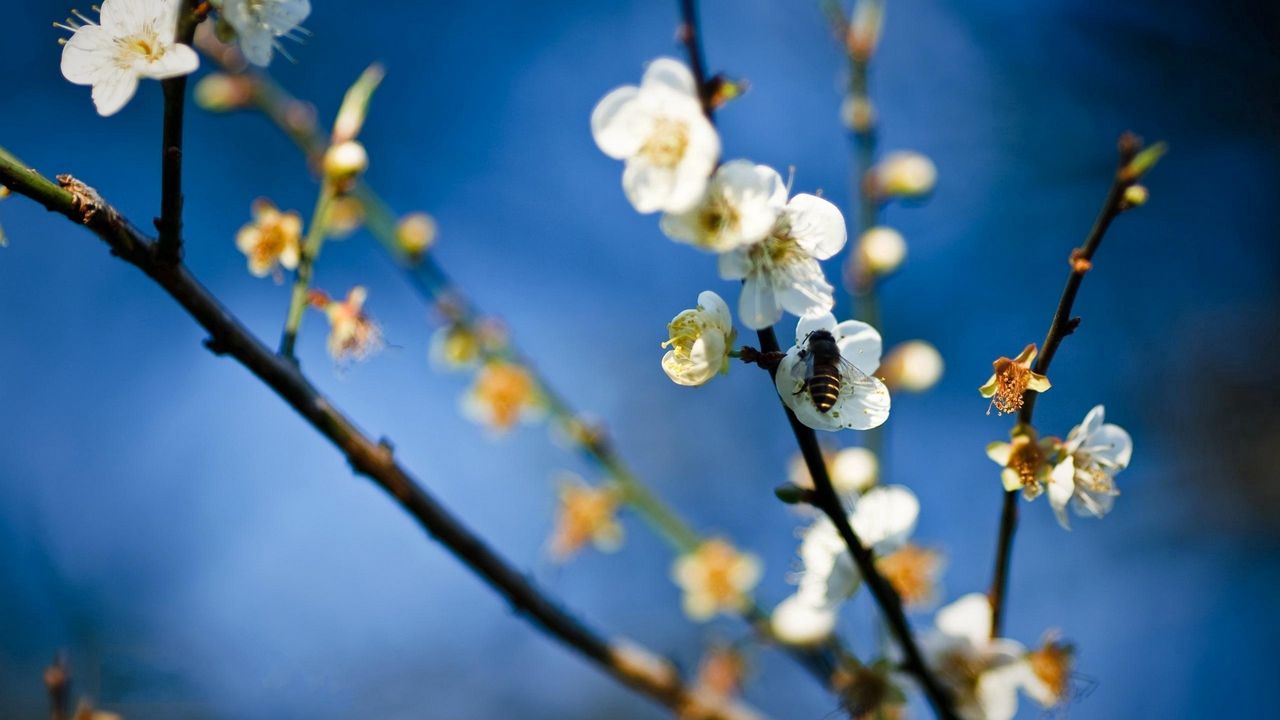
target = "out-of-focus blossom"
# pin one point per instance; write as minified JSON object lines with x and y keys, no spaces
{"x":344,"y":161}
{"x":659,"y":129}
{"x":858,"y":114}
{"x":222,"y":92}
{"x":902,"y":174}
{"x":454,"y":347}
{"x":272,"y":240}
{"x":852,"y":470}
{"x":1011,"y":379}
{"x":913,"y":572}
{"x":502,"y":395}
{"x":863,"y":401}
{"x":134,"y":40}
{"x":982,"y":673}
{"x":1092,"y":454}
{"x":739,"y":208}
{"x":914,"y":366}
{"x":353,"y":335}
{"x":586,"y":515}
{"x":1049,"y":679}
{"x":415,"y":233}
{"x":346,"y":215}
{"x":883,"y":518}
{"x":700,"y":340}
{"x":259,"y":23}
{"x":782,"y":272}
{"x":716,"y":577}
{"x":881,"y":250}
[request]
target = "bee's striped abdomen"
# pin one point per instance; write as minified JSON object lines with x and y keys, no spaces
{"x":824,"y":386}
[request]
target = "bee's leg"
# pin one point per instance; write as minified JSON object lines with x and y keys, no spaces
{"x":766,"y":360}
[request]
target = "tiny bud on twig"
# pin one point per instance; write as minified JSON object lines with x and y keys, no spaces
{"x":793,"y":494}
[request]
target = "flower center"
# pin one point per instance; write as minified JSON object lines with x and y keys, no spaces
{"x":717,"y":216}
{"x":505,"y":389}
{"x":145,"y":45}
{"x":1026,"y":458}
{"x":911,"y":571}
{"x":1012,"y":379}
{"x":718,"y":561}
{"x":667,"y":143}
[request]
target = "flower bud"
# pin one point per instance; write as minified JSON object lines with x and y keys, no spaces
{"x":415,"y":233}
{"x":1135,"y":196}
{"x":903,"y":174}
{"x":858,"y":114}
{"x":219,"y":92}
{"x":881,"y":250}
{"x":914,"y":366}
{"x":864,"y":28}
{"x":345,"y":216}
{"x":344,"y":161}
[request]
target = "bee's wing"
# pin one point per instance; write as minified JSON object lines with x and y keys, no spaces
{"x":865,"y":398}
{"x":854,"y":380}
{"x":802,"y":369}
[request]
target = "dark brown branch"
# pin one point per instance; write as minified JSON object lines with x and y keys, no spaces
{"x":169,"y":224}
{"x":627,"y":663}
{"x":825,"y":497}
{"x":1062,"y":325}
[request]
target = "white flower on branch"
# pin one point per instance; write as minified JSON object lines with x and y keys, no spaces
{"x":782,"y":272}
{"x":983,"y":673}
{"x":883,"y":518}
{"x":862,"y":402}
{"x":1085,"y":476}
{"x":740,"y":207}
{"x":134,"y":40}
{"x":700,"y":341}
{"x":258,"y":24}
{"x":658,"y":128}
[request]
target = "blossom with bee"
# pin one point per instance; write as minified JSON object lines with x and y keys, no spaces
{"x":272,"y":240}
{"x":586,"y":515}
{"x":1092,"y":454}
{"x":258,"y":24}
{"x":1028,"y":464}
{"x":857,"y":400}
{"x":502,"y":395}
{"x":782,"y":272}
{"x":700,"y":341}
{"x":659,"y":129}
{"x":883,"y":518}
{"x":1011,"y":379}
{"x":136,"y":39}
{"x":983,"y":673}
{"x":353,"y":335}
{"x":741,"y":205}
{"x":715,"y":577}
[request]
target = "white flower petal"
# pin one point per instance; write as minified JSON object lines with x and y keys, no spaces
{"x":669,"y":73}
{"x":122,"y":17}
{"x":863,"y":403}
{"x":885,"y":517}
{"x":111,"y":91}
{"x":178,"y":60}
{"x":648,"y":187}
{"x":1110,"y":446}
{"x":967,"y":618}
{"x":997,"y":691}
{"x":757,"y":305}
{"x":796,"y":621}
{"x":733,"y":265}
{"x":618,"y":123}
{"x":717,"y":309}
{"x":816,"y":225}
{"x":1062,"y":486}
{"x":808,"y":324}
{"x":89,"y":52}
{"x":802,"y":289}
{"x":860,"y":344}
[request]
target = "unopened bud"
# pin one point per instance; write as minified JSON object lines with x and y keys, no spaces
{"x":415,"y":233}
{"x":219,"y":92}
{"x":903,"y":174}
{"x":344,"y":161}
{"x":864,"y":28}
{"x":858,"y":114}
{"x":345,"y":216}
{"x":792,"y":494}
{"x":1135,"y":196}
{"x":914,"y":366}
{"x":881,"y":250}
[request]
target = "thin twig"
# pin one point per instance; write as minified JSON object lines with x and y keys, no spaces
{"x":827,"y":500}
{"x":1061,"y":326}
{"x":630,"y":664}
{"x":169,"y":225}
{"x":316,"y":235}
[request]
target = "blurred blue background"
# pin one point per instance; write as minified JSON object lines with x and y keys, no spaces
{"x":200,"y":553}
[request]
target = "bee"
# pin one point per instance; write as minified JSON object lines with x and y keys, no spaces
{"x":825,"y":375}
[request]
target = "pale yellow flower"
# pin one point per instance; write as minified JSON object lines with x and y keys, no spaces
{"x":586,"y":515}
{"x":503,"y":394}
{"x":1012,"y":379}
{"x":272,"y":240}
{"x":715,"y":578}
{"x":1027,"y":461}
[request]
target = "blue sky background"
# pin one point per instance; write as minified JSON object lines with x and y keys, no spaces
{"x":200,"y":553}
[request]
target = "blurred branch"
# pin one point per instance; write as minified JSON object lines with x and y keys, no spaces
{"x":169,"y":247}
{"x":429,"y":278}
{"x":316,"y":234}
{"x":825,"y":497}
{"x":1133,"y":162}
{"x":629,"y":664}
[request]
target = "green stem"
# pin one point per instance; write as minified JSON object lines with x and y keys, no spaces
{"x":316,"y":235}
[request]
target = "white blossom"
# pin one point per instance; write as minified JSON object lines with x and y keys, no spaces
{"x":782,"y":272}
{"x":134,"y":40}
{"x":983,"y":673}
{"x":700,"y":341}
{"x":1085,"y":476}
{"x":259,"y":22}
{"x":883,"y":519}
{"x":863,"y":402}
{"x":740,"y":207}
{"x":659,"y":129}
